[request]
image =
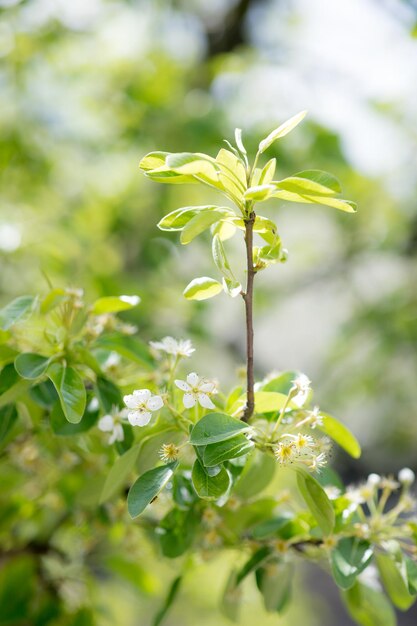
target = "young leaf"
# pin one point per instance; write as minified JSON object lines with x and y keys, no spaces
{"x":304,"y":185}
{"x":340,"y":434}
{"x":369,"y":607}
{"x":119,"y":473}
{"x":176,"y":220}
{"x":153,"y":160}
{"x":215,"y":427}
{"x":316,"y":500}
{"x":325,"y":179}
{"x":259,"y":193}
{"x":114,"y":304}
{"x":267,"y":173}
{"x":238,"y":140}
{"x":350,"y":557}
{"x":217,"y":453}
{"x":203,"y":220}
{"x":71,"y":391}
{"x":290,"y":196}
{"x":265,"y":402}
{"x":282,"y":130}
{"x":209,"y":487}
{"x":202,"y":288}
{"x":31,"y":366}
{"x":195,"y":164}
{"x":147,"y":487}
{"x":394,"y":581}
{"x":16,"y":311}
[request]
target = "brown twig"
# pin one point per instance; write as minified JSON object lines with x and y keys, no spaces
{"x":248,"y":299}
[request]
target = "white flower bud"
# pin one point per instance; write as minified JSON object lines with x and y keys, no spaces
{"x":406,"y":476}
{"x":374,"y":480}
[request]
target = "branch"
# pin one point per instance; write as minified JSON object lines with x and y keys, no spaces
{"x":248,"y":299}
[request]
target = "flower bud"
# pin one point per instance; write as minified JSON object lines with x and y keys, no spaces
{"x":374,"y":480}
{"x":406,"y":476}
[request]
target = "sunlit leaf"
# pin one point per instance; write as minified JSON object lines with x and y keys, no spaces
{"x":202,"y":288}
{"x":282,"y":130}
{"x":114,"y":304}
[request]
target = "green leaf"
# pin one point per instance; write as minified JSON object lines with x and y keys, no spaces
{"x":258,"y":472}
{"x":411,"y":573}
{"x":171,"y":595}
{"x":290,"y":196}
{"x":176,"y":220}
{"x":231,"y":598}
{"x":194,"y":164}
{"x":265,"y":402}
{"x":303,"y":184}
{"x":282,"y":130}
{"x":253,"y":563}
{"x":341,"y":435}
{"x":316,"y":500}
{"x":71,"y":391}
{"x":350,"y":557}
{"x":31,"y":366}
{"x":202,"y":288}
{"x":217,"y":453}
{"x":275,"y":583}
{"x":209,"y":487}
{"x":15,"y":311}
{"x":281,"y":383}
{"x":119,"y":472}
{"x":63,"y":428}
{"x":267,"y":173}
{"x":147,"y":487}
{"x":394,"y":579}
{"x":176,"y":532}
{"x":153,"y":160}
{"x":238,"y":140}
{"x":369,"y":607}
{"x":53,"y":299}
{"x":215,"y":427}
{"x":108,"y":395}
{"x":114,"y":304}
{"x":259,"y":193}
{"x":200,"y":222}
{"x":8,"y":417}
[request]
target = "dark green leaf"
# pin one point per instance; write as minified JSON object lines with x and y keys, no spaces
{"x":8,"y":417}
{"x":274,"y":582}
{"x":71,"y":391}
{"x":147,"y":487}
{"x":217,"y":453}
{"x":369,"y":607}
{"x":108,"y":395}
{"x":258,"y":472}
{"x":215,"y":427}
{"x":209,"y":487}
{"x":172,"y":594}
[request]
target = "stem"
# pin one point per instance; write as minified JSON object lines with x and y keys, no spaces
{"x":248,"y":299}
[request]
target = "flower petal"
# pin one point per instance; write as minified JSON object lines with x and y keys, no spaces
{"x":142,"y":395}
{"x":155,"y":403}
{"x":130,"y":401}
{"x":207,"y":387}
{"x":181,"y":384}
{"x":205,"y":401}
{"x":118,"y":432}
{"x":189,"y":400}
{"x":139,"y":418}
{"x":106,"y":423}
{"x":192,"y":379}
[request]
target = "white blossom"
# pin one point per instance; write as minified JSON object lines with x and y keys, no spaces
{"x":181,"y":347}
{"x":197,"y":390}
{"x":111,"y":423}
{"x":141,"y":403}
{"x":300,"y":389}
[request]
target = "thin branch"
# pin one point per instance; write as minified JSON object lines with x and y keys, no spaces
{"x":248,"y":299}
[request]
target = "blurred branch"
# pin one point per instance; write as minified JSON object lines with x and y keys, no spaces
{"x":230,"y":31}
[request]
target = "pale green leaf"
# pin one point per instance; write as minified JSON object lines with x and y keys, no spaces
{"x":114,"y":304}
{"x":282,"y":130}
{"x":316,"y":500}
{"x":202,"y":288}
{"x":201,"y":221}
{"x":340,"y":434}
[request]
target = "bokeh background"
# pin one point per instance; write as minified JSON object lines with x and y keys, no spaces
{"x":87,"y":88}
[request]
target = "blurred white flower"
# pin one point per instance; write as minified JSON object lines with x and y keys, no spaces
{"x":197,"y":390}
{"x":141,"y":404}
{"x":315,"y":419}
{"x":111,"y":423}
{"x":182,"y":347}
{"x":300,"y":389}
{"x":10,"y":237}
{"x":406,"y":476}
